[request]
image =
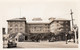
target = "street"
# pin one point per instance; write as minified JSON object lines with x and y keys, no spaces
{"x":46,"y":44}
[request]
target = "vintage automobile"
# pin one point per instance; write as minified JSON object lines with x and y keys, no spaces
{"x":12,"y":44}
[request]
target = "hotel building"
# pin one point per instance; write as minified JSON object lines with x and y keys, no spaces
{"x":20,"y":25}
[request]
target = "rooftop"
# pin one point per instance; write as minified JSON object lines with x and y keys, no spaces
{"x":61,"y":19}
{"x":18,"y":19}
{"x":38,"y":20}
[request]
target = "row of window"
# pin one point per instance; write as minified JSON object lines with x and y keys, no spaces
{"x":15,"y":22}
{"x":61,"y":28}
{"x":39,"y":30}
{"x":15,"y":29}
{"x":38,"y":24}
{"x":16,"y":25}
{"x":61,"y":21}
{"x":39,"y":27}
{"x":54,"y":25}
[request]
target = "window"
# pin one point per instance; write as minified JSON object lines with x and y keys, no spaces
{"x":45,"y":24}
{"x":67,"y":29}
{"x":10,"y":25}
{"x":67,"y":26}
{"x":10,"y":29}
{"x":66,"y":21}
{"x":16,"y":29}
{"x":16,"y":25}
{"x":34,"y":27}
{"x":40,"y":28}
{"x":59,"y":28}
{"x":57,"y":21}
{"x":57,"y":24}
{"x":48,"y":27}
{"x":20,"y":28}
{"x":21,"y":24}
{"x":61,"y":22}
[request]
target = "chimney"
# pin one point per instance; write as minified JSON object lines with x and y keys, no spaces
{"x":36,"y":19}
{"x":23,"y":18}
{"x":51,"y":19}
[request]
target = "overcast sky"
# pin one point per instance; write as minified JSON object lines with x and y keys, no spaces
{"x":30,"y":9}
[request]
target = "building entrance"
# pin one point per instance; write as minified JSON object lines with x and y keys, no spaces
{"x":26,"y":37}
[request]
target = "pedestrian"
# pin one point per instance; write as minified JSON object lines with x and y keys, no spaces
{"x":66,"y":37}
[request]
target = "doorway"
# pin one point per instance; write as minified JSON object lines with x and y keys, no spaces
{"x":26,"y":37}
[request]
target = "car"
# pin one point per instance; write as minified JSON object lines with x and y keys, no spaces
{"x":12,"y":44}
{"x":5,"y":42}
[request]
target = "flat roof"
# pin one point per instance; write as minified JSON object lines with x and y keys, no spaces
{"x":17,"y":19}
{"x":38,"y":23}
{"x":63,"y":19}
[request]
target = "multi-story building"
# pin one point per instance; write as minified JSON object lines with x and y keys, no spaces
{"x":19,"y":25}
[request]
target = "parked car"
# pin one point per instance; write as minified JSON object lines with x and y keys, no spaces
{"x":5,"y":42}
{"x":12,"y":44}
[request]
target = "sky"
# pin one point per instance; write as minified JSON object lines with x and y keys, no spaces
{"x":38,"y":8}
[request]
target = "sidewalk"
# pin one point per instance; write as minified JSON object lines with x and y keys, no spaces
{"x":44,"y":44}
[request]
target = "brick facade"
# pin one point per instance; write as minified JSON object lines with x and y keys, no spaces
{"x":19,"y":25}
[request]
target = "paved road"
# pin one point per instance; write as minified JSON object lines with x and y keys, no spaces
{"x":45,"y":44}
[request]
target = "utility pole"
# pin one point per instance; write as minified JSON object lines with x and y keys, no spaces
{"x":73,"y":27}
{"x":72,"y":17}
